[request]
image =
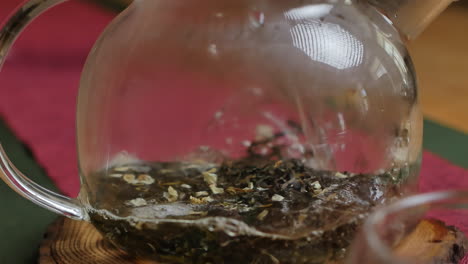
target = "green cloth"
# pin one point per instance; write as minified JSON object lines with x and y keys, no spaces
{"x":447,"y":143}
{"x":22,"y":224}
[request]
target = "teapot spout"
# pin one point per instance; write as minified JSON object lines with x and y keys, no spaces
{"x":411,"y":17}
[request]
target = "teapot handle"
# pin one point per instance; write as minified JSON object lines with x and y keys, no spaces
{"x":30,"y":190}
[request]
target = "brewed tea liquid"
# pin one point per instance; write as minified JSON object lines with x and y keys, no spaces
{"x":251,"y":210}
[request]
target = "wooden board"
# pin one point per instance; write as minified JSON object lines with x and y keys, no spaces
{"x":74,"y":242}
{"x":433,"y":242}
{"x":77,"y":242}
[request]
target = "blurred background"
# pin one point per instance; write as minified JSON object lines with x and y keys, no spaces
{"x":440,"y":56}
{"x":39,"y":84}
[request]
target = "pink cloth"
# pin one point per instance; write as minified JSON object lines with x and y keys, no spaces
{"x":439,"y":174}
{"x":39,"y":84}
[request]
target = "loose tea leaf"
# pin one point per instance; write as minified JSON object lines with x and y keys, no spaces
{"x":275,"y":211}
{"x":263,"y":208}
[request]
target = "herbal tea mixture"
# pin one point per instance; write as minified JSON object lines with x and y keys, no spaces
{"x":257,"y":209}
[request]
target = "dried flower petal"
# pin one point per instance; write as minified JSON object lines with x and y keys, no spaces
{"x":172,"y":194}
{"x":130,"y":178}
{"x":341,"y":175}
{"x":144,"y":179}
{"x":250,"y":187}
{"x":141,"y":168}
{"x":277,"y":198}
{"x":277,"y":164}
{"x":262,"y":215}
{"x":207,"y":199}
{"x":316,"y":185}
{"x":264,"y":132}
{"x":215,"y":189}
{"x":202,"y":193}
{"x":210,"y":177}
{"x":195,"y":200}
{"x":122,"y":169}
{"x":137,"y":202}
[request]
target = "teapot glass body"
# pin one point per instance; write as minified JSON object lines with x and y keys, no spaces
{"x":177,"y":92}
{"x":191,"y":81}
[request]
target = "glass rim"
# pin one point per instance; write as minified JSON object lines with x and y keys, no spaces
{"x":370,"y":231}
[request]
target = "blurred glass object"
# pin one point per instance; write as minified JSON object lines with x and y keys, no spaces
{"x":422,"y":229}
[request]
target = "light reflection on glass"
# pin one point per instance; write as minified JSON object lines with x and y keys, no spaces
{"x":324,"y":42}
{"x":308,"y":12}
{"x":393,"y":52}
{"x":377,"y":69}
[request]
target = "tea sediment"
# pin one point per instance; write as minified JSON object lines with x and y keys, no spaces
{"x":251,"y":210}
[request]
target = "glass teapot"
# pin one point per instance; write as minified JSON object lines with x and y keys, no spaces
{"x":208,"y":129}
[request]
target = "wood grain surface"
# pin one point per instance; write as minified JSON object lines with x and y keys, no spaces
{"x":433,"y":242}
{"x":76,"y":242}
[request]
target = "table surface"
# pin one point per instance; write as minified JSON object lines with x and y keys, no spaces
{"x":441,"y":59}
{"x":440,"y":56}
